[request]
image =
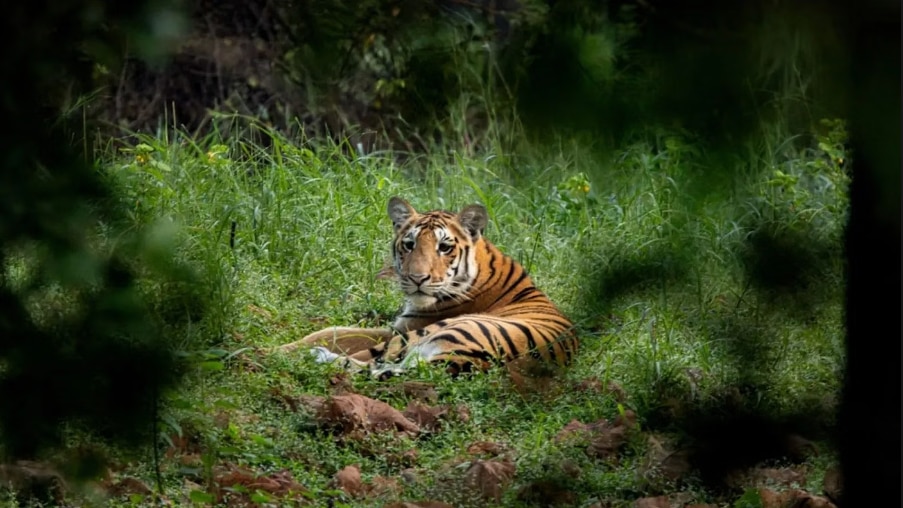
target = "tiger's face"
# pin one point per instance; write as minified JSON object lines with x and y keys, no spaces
{"x":433,"y":254}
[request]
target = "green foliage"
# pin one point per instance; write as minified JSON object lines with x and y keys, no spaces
{"x":657,"y":275}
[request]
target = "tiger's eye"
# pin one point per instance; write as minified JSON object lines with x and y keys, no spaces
{"x":446,"y":248}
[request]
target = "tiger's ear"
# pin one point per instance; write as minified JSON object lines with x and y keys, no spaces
{"x":474,"y":218}
{"x":400,"y":211}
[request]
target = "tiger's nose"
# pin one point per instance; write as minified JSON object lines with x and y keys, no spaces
{"x":419,"y":278}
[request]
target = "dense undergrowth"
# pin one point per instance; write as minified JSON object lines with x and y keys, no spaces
{"x":700,"y":301}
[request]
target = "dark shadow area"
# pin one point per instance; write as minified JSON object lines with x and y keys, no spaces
{"x":95,"y":351}
{"x":630,"y":273}
{"x":82,"y":345}
{"x":740,"y":427}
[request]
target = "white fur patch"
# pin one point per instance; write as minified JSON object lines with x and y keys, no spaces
{"x":423,"y":352}
{"x":323,"y":355}
{"x":421,"y":301}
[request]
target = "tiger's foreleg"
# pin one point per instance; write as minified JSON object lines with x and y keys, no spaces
{"x":341,"y":340}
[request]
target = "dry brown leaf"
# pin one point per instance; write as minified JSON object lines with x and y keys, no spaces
{"x":663,"y":460}
{"x":602,"y":439}
{"x":489,"y":478}
{"x":817,"y":502}
{"x":572,"y":431}
{"x":487,"y":448}
{"x":280,"y":484}
{"x":462,"y":413}
{"x":348,"y":479}
{"x":427,"y":417}
{"x":608,"y":441}
{"x":653,"y":502}
{"x":531,"y":376}
{"x":355,"y":416}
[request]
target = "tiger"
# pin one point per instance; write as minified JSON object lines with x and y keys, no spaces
{"x":467,"y":305}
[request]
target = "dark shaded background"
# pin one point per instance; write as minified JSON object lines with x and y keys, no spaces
{"x":105,"y":363}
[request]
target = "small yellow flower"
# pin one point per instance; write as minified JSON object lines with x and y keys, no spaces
{"x":586,"y":189}
{"x":212,"y":156}
{"x":141,"y":158}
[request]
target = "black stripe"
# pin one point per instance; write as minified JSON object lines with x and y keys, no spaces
{"x":447,"y":337}
{"x":523,"y":293}
{"x":507,"y":288}
{"x":510,"y":273}
{"x":488,"y":336}
{"x":465,"y":258}
{"x":469,"y":337}
{"x":550,"y":345}
{"x":512,"y":349}
{"x":468,"y":353}
{"x":531,"y":341}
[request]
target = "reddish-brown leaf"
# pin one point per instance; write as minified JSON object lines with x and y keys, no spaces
{"x":794,"y":497}
{"x":358,"y":415}
{"x":602,"y":439}
{"x":489,"y":478}
{"x":280,"y":484}
{"x":348,"y":479}
{"x":462,"y":413}
{"x":663,"y":460}
{"x":427,"y":417}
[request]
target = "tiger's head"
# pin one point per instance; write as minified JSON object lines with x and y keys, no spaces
{"x":433,"y":252}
